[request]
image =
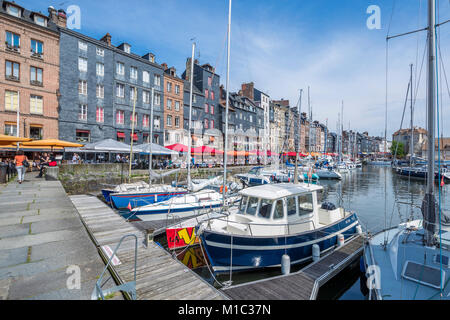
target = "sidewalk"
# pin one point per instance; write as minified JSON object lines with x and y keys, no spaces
{"x":41,"y":235}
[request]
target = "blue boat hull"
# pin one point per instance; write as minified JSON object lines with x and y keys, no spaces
{"x":122,"y":200}
{"x":107,"y":194}
{"x":419,"y":174}
{"x":261,"y":252}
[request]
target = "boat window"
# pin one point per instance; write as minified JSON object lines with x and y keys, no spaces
{"x":242,"y":204}
{"x":278,"y":212}
{"x":253,"y":171}
{"x":252,"y":206}
{"x":305,"y":204}
{"x":265,"y":208}
{"x":291,"y":206}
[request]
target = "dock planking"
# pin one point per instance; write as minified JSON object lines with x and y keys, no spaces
{"x":301,"y":285}
{"x":158,"y":275}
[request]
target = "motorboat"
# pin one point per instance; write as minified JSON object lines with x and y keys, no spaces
{"x":271,"y":221}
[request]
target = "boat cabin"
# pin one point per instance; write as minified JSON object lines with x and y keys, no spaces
{"x":281,"y":209}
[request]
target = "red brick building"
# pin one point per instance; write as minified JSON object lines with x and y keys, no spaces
{"x":29,"y":69}
{"x":173,"y":106}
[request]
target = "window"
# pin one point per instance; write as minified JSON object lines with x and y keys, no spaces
{"x":146,"y":76}
{"x":156,"y":138}
{"x":291,"y":206}
{"x":100,"y":52}
{"x":206,"y":107}
{"x":169,"y":87}
{"x":82,"y":112}
{"x":146,"y":96}
{"x":12,"y":70}
{"x":212,"y":95}
{"x":120,"y":136}
{"x":157,"y":80}
{"x":132,"y":93}
{"x":145,"y":138}
{"x":120,"y":117}
{"x":211,"y":124}
{"x":265,"y":208}
{"x":82,"y":46}
{"x":135,"y":118}
{"x":305,"y":204}
{"x":36,"y":75}
{"x":243,"y":204}
{"x":146,"y":121}
{"x":120,"y":90}
{"x":82,"y":64}
{"x":12,"y":41}
{"x":10,"y":129}
{"x":83,"y":136}
{"x":177,"y":138}
{"x":206,"y":123}
{"x":157,"y":98}
{"x":194,"y":98}
{"x":209,"y":81}
{"x":169,"y":104}
{"x":13,"y":10}
{"x":133,"y":73}
{"x":169,"y":121}
{"x":100,"y":115}
{"x":177,"y":122}
{"x":36,"y":132}
{"x":36,"y":104}
{"x":100,"y":91}
{"x":177,"y":89}
{"x":11,"y":100}
{"x":206,"y":93}
{"x":278,"y":212}
{"x":252,"y":206}
{"x":177,"y":105}
{"x":211,"y":108}
{"x":82,"y":87}
{"x":100,"y":69}
{"x":156,"y":122}
{"x":126,"y":48}
{"x":37,"y":47}
{"x":120,"y":68}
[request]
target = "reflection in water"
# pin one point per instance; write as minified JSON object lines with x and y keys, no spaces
{"x":381,"y":199}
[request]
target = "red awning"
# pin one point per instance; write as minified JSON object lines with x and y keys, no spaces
{"x":135,"y":137}
{"x":120,"y":135}
{"x":178,"y":147}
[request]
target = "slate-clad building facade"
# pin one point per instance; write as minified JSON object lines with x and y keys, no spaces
{"x":97,"y":84}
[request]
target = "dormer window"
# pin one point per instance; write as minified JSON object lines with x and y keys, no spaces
{"x":13,"y":10}
{"x":40,"y":20}
{"x":126,"y":48}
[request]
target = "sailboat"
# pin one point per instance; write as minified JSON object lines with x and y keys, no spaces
{"x":412,"y":261}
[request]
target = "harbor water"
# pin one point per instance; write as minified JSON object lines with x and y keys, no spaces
{"x":381,"y":199}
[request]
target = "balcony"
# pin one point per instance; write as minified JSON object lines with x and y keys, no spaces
{"x":37,"y":55}
{"x":36,"y":83}
{"x":12,"y":48}
{"x":12,"y":78}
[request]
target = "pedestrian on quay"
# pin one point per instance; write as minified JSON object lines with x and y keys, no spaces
{"x":43,"y":161}
{"x":21,"y":163}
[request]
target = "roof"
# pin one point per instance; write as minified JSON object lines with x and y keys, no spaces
{"x":408,"y":131}
{"x":279,"y":190}
{"x":27,"y":16}
{"x":187,"y":88}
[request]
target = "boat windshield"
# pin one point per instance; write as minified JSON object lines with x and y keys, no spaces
{"x":265,"y":208}
{"x":278,"y":212}
{"x":291,"y":206}
{"x":254,"y":171}
{"x":242,"y":205}
{"x":252,"y":206}
{"x":305,"y":204}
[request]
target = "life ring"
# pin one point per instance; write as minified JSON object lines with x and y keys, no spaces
{"x":221,"y":189}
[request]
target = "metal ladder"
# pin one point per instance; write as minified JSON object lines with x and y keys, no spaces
{"x":129,"y":287}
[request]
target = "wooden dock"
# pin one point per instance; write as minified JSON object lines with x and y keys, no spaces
{"x":301,"y":285}
{"x":159,"y":275}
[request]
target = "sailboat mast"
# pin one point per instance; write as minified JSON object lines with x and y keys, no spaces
{"x":429,"y":201}
{"x":191,"y":79}
{"x":225,"y":156}
{"x":299,"y":123}
{"x":411,"y":147}
{"x":150,"y":156}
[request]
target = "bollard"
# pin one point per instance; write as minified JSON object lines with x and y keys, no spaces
{"x":315,"y":252}
{"x":340,"y":240}
{"x":285,"y":264}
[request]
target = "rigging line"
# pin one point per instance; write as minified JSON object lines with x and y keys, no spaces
{"x":417,"y":43}
{"x":390,"y":20}
{"x":403,"y":115}
{"x":406,"y":33}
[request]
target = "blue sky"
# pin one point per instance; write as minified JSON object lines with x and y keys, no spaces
{"x":284,"y":46}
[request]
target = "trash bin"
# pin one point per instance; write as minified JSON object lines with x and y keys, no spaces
{"x":3,"y":168}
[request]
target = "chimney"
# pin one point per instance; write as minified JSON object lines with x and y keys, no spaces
{"x":107,"y":39}
{"x":164,"y":65}
{"x":57,"y":17}
{"x":248,"y":90}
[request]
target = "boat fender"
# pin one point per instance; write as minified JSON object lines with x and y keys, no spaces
{"x":328,"y":206}
{"x":359,"y":229}
{"x":221,"y":189}
{"x":285,"y":264}
{"x":315,"y":252}
{"x":340,"y":240}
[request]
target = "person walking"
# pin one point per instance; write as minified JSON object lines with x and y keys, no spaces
{"x":20,"y":161}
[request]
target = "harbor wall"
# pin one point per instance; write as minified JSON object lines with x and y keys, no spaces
{"x":91,"y":178}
